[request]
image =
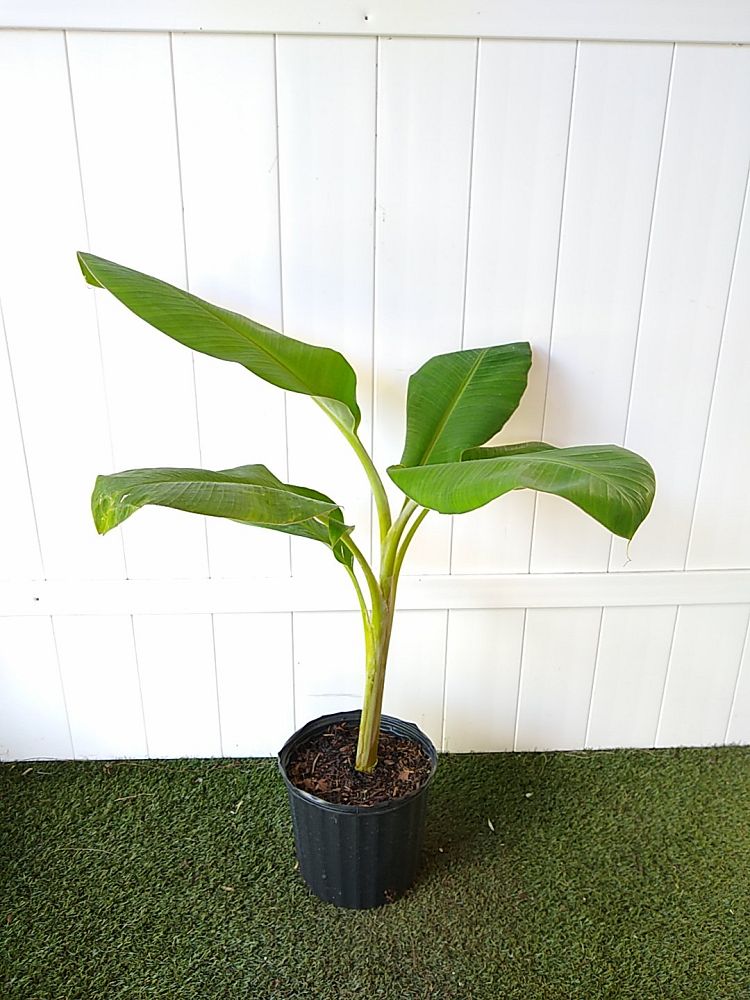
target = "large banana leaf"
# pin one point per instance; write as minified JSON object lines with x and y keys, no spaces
{"x":249,"y":494}
{"x":459,"y":400}
{"x":290,"y":364}
{"x":613,"y":485}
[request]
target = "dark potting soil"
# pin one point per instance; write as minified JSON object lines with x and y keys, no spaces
{"x":324,"y":766}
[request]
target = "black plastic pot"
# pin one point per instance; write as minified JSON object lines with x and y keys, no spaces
{"x":357,"y":856}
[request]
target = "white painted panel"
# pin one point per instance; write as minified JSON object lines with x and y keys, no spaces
{"x":230,"y":196}
{"x":102,"y":692}
{"x":690,"y":20}
{"x":444,"y":175}
{"x":616,"y":130}
{"x":701,"y":188}
{"x":329,"y":664}
{"x":631,"y":667}
{"x":330,"y":670}
{"x":557,"y":670}
{"x":702,"y":675}
{"x":20,"y":556}
{"x":131,"y":183}
{"x":416,"y":670}
{"x":720,"y":533}
{"x":178,"y":684}
{"x":520,"y":143}
{"x":425,"y":124}
{"x":48,"y":314}
{"x":416,"y":593}
{"x":33,"y":723}
{"x":255,"y":683}
{"x":481,"y":679}
{"x":738,"y":730}
{"x":326,"y":94}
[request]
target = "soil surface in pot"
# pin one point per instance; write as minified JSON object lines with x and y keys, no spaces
{"x":324,"y":766}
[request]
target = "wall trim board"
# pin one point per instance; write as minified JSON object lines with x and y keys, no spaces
{"x":284,"y":594}
{"x":724,"y":21}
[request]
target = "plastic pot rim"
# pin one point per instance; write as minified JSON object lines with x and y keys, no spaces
{"x":391,"y":725}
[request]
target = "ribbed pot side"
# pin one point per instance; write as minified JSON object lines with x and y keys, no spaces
{"x":357,"y":856}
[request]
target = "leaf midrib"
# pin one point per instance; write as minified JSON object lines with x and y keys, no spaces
{"x":184,"y":484}
{"x":222,"y":318}
{"x":541,"y":456}
{"x":450,"y":411}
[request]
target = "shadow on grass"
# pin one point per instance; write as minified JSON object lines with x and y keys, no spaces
{"x":474,"y":812}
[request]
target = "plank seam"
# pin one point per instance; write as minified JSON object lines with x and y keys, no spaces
{"x":181,"y":195}
{"x":593,"y":679}
{"x":281,"y":257}
{"x":373,"y":526}
{"x":294,"y":674}
{"x":667,"y":675}
{"x":140,"y":685}
{"x":216,"y":685}
{"x":737,"y":681}
{"x":519,"y":686}
{"x":719,"y":353}
{"x":23,"y":442}
{"x":646,"y":263}
{"x":97,"y":320}
{"x":472,"y":156}
{"x":62,"y":687}
{"x":532,"y":535}
{"x":445,"y":679}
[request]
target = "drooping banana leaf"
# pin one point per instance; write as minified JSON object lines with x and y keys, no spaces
{"x":249,"y":494}
{"x":290,"y":364}
{"x":613,"y":485}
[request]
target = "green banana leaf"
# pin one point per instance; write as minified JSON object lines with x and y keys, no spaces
{"x":459,"y":400}
{"x":249,"y":494}
{"x":613,"y":485}
{"x":290,"y":364}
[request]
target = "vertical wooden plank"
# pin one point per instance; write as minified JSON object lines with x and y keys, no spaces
{"x":33,"y":721}
{"x":230,"y":198}
{"x":178,"y":684}
{"x":720,"y":532}
{"x":425,"y":124}
{"x":326,"y":102}
{"x":255,"y":682}
{"x":329,"y":663}
{"x":330,"y":666}
{"x":19,"y":544}
{"x":702,"y":675}
{"x":520,"y":142}
{"x":416,"y":670}
{"x":481,"y":680}
{"x":557,"y":670}
{"x":616,"y":130}
{"x":102,"y":691}
{"x":738,"y":730}
{"x":631,"y":666}
{"x":131,"y":183}
{"x":48,"y":314}
{"x":701,"y":188}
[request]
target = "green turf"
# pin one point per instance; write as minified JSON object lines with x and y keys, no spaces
{"x":608,"y":875}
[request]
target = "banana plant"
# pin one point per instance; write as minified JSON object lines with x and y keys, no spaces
{"x":455,"y":404}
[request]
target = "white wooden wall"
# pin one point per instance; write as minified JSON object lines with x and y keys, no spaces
{"x":396,"y":181}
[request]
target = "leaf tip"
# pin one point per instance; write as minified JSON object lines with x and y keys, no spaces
{"x":103,"y":508}
{"x":84,"y":260}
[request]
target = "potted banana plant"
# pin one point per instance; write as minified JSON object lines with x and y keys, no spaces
{"x":357,"y":781}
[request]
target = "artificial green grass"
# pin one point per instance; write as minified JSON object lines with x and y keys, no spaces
{"x":608,"y":875}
